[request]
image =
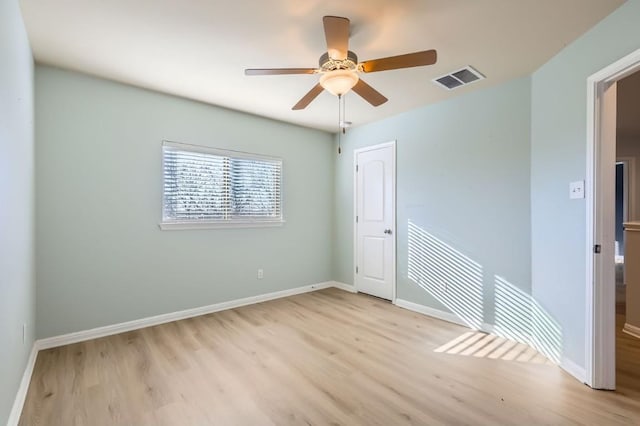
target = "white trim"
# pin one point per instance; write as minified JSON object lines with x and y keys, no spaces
{"x":632,"y":330}
{"x":223,"y":152}
{"x":445,"y":316}
{"x":42,"y":344}
{"x":94,"y":333}
{"x":355,"y":222}
{"x":175,"y":226}
{"x":80,"y":336}
{"x":394,"y":211}
{"x":346,"y":287}
{"x":431,"y":312}
{"x":573,"y":369}
{"x":599,"y":320}
{"x":589,"y":237}
{"x":21,"y":395}
{"x":241,"y":222}
{"x":566,"y":364}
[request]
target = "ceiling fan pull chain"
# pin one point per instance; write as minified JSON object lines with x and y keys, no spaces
{"x":339,"y":115}
{"x":343,"y":122}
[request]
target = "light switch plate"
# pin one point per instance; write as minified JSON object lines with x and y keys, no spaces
{"x":576,"y":190}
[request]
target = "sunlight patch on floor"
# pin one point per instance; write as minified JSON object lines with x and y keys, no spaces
{"x":482,"y":345}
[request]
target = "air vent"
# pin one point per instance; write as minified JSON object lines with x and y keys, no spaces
{"x":459,"y":78}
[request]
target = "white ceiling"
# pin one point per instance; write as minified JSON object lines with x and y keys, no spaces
{"x":198,"y":49}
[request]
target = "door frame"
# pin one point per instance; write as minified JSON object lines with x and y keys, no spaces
{"x":394,"y":227}
{"x":600,"y":369}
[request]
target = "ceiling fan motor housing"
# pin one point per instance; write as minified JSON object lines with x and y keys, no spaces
{"x":349,"y":63}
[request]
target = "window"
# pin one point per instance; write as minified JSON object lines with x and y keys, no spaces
{"x":207,"y":187}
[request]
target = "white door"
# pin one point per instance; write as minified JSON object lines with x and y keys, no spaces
{"x":375,"y":220}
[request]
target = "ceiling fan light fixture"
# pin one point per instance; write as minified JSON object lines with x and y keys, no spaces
{"x":339,"y":67}
{"x":339,"y":82}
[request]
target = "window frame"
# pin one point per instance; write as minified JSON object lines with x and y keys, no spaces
{"x":222,"y":223}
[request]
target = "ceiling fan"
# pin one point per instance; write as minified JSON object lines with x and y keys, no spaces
{"x":339,"y":67}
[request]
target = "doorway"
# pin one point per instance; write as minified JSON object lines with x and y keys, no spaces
{"x":622,"y":205}
{"x":621,"y":217}
{"x":375,"y":223}
{"x":602,"y":233}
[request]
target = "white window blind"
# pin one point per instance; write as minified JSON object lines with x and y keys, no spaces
{"x":206,"y":186}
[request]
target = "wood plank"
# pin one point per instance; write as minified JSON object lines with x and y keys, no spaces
{"x":328,"y":357}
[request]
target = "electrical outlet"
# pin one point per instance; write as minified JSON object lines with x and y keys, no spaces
{"x":24,"y":333}
{"x":260,"y":274}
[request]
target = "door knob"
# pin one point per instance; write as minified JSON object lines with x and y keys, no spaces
{"x":387,"y":231}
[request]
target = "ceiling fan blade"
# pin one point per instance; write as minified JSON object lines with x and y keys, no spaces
{"x":369,"y":94}
{"x":306,"y":99}
{"x":279,"y":71}
{"x":336,"y":32}
{"x":417,"y":59}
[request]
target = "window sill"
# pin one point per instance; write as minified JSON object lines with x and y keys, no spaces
{"x":177,"y":226}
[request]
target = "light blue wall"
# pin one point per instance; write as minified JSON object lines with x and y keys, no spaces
{"x":17,"y":283}
{"x":462,"y":179}
{"x":558,"y":156}
{"x":101,"y":258}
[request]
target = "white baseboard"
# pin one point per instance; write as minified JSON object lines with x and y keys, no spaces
{"x":432,"y":312}
{"x":345,"y":287}
{"x":80,"y":336}
{"x":94,"y":333}
{"x":631,"y":330}
{"x":574,"y":369}
{"x":566,"y":364}
{"x":21,"y":395}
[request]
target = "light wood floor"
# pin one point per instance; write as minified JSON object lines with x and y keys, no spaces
{"x":327,"y":357}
